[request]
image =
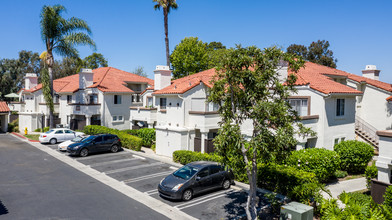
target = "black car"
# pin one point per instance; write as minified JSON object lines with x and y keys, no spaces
{"x":94,"y":144}
{"x":195,"y":178}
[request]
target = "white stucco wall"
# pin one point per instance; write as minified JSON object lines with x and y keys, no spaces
{"x":384,"y":160}
{"x":168,"y":141}
{"x":110,"y":109}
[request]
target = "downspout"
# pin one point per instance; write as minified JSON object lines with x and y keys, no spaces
{"x":183,"y":120}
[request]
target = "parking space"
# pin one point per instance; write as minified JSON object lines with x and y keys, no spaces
{"x":144,"y":175}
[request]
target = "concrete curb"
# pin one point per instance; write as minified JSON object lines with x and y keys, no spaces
{"x":21,"y":136}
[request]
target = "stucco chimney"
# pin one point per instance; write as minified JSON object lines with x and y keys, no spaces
{"x":85,"y":78}
{"x":282,"y":71}
{"x":371,"y":72}
{"x":162,"y":77}
{"x":31,"y":80}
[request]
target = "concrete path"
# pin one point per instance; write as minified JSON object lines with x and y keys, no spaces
{"x":347,"y":186}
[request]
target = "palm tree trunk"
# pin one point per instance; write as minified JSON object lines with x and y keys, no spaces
{"x":165,"y":15}
{"x":50,"y":70}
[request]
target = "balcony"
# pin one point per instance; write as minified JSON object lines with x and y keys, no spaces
{"x":85,"y":109}
{"x":43,"y":108}
{"x":204,"y":120}
{"x":17,"y":106}
{"x":148,"y":115}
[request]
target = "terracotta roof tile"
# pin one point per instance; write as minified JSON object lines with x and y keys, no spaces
{"x":4,"y":107}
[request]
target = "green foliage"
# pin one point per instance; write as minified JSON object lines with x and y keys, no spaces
{"x":319,"y":161}
{"x":340,"y":174}
{"x":32,"y":136}
{"x":146,"y":134}
{"x":153,"y":147}
{"x":317,"y":52}
{"x":388,"y":197}
{"x":38,"y":130}
{"x":94,"y":61}
{"x":186,"y":156}
{"x":371,"y":172}
{"x":139,"y":71}
{"x":46,"y":129}
{"x":354,"y":155}
{"x":14,"y":126}
{"x":45,"y":79}
{"x":128,"y":141}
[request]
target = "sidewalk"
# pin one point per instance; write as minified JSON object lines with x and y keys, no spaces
{"x":347,"y":186}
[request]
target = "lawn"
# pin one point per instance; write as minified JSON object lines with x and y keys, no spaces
{"x":32,"y":136}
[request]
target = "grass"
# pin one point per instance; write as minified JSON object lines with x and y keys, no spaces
{"x":350,"y":177}
{"x":32,"y":136}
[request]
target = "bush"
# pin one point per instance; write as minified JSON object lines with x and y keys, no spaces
{"x":131,"y":132}
{"x":153,"y":147}
{"x":354,"y":155}
{"x":388,"y":197}
{"x":299,"y":185}
{"x":340,"y":174}
{"x":147,"y":134}
{"x":319,"y":161}
{"x":46,"y":129}
{"x":37,"y":130}
{"x":13,"y":126}
{"x":186,"y":156}
{"x":128,"y":141}
{"x":370,"y":173}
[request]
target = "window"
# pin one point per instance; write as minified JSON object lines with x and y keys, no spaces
{"x":300,"y":106}
{"x":203,"y":173}
{"x":339,"y":107}
{"x":215,"y":169}
{"x":117,"y":118}
{"x":59,"y":132}
{"x":120,"y":117}
{"x":56,"y":98}
{"x":162,"y":103}
{"x":68,"y":131}
{"x":94,"y":99}
{"x":117,"y":99}
{"x":149,"y":102}
{"x":212,"y":107}
{"x":98,"y":139}
{"x":69,"y":98}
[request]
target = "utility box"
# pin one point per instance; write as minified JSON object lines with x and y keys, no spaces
{"x":296,"y":211}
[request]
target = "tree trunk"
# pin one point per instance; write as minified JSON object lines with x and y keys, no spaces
{"x":165,"y":15}
{"x":50,"y":71}
{"x":251,"y":211}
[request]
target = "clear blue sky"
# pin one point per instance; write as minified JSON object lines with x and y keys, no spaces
{"x":130,"y":33}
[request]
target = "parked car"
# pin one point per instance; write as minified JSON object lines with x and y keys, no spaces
{"x":94,"y":144}
{"x":63,"y":146}
{"x":195,"y":178}
{"x":57,"y":135}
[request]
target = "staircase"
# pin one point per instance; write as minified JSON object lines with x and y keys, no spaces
{"x":366,"y":132}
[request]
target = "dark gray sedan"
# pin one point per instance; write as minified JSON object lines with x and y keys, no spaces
{"x":195,"y":178}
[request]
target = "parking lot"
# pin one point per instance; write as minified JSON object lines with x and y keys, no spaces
{"x":144,"y":174}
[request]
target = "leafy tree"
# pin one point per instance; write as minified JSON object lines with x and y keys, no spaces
{"x":140,"y":71}
{"x":215,"y":46}
{"x":95,"y":61}
{"x":166,"y":6}
{"x":189,"y":57}
{"x":61,"y":36}
{"x":248,"y":90}
{"x":317,"y":52}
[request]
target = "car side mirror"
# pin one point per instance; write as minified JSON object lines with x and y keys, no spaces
{"x":198,"y":178}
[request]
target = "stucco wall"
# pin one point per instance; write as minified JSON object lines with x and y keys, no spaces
{"x":384,"y":159}
{"x":168,"y":141}
{"x":110,"y":109}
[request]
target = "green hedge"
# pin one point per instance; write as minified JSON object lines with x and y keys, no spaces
{"x":14,"y":126}
{"x":319,"y":161}
{"x":186,"y":156}
{"x":46,"y":129}
{"x":146,"y":134}
{"x":354,"y":155}
{"x":127,"y":140}
{"x":371,"y":172}
{"x":388,"y":197}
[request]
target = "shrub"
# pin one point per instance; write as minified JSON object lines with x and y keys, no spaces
{"x":153,"y":147}
{"x":38,"y":130}
{"x":128,"y":141}
{"x":13,"y":126}
{"x":354,"y":155}
{"x":46,"y":129}
{"x":132,"y":132}
{"x":299,"y":185}
{"x":340,"y":174}
{"x":186,"y":156}
{"x":370,"y":173}
{"x":388,"y":197}
{"x":319,"y":161}
{"x":147,"y":134}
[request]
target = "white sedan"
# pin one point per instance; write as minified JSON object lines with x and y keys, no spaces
{"x":56,"y":135}
{"x":63,"y":146}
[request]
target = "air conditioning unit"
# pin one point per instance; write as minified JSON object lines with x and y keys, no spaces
{"x":296,"y":211}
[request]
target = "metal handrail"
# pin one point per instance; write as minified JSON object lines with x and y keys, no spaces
{"x":366,"y":128}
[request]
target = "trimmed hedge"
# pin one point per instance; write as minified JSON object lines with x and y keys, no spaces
{"x":128,"y":141}
{"x":186,"y":156}
{"x":354,"y":155}
{"x":388,"y":197}
{"x":14,"y":126}
{"x":371,"y":172}
{"x":319,"y":161}
{"x":46,"y":129}
{"x":146,"y":134}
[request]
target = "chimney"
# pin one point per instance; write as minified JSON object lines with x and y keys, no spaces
{"x":282,"y":71}
{"x":85,"y":78}
{"x":162,"y":77}
{"x":31,"y":80}
{"x":371,"y":72}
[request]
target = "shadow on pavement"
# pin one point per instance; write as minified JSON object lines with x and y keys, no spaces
{"x":3,"y":209}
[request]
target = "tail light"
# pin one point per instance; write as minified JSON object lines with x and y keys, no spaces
{"x":44,"y":136}
{"x":119,"y":140}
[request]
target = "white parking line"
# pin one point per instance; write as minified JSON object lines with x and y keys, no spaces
{"x":100,"y":155}
{"x":112,"y":161}
{"x":147,"y":177}
{"x":173,"y":168}
{"x":139,"y":157}
{"x":150,"y":191}
{"x":203,"y":199}
{"x":132,"y":168}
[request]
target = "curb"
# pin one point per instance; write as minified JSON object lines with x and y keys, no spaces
{"x":21,"y":136}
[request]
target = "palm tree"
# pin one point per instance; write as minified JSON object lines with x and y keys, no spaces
{"x":166,"y":6}
{"x":61,"y":36}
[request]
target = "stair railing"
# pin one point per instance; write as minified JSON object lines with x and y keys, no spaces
{"x":366,"y":128}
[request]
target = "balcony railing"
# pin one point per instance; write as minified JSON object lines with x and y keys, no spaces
{"x":366,"y":131}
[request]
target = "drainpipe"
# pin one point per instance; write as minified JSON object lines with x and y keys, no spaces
{"x":183,"y":120}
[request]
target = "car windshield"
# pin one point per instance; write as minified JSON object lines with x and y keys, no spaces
{"x":48,"y":132}
{"x":185,"y":172}
{"x":78,"y":139}
{"x":87,"y":139}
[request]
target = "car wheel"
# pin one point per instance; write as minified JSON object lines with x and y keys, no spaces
{"x":114,"y":149}
{"x":187,"y":195}
{"x":83,"y":152}
{"x":53,"y":141}
{"x":226,"y":184}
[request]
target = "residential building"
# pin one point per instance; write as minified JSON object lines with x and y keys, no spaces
{"x":184,"y":120}
{"x":4,"y":112}
{"x":92,"y":97}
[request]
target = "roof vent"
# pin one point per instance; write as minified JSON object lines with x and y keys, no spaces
{"x":371,"y":67}
{"x":190,"y":83}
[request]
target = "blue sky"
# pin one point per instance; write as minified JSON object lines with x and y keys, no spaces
{"x":130,"y":33}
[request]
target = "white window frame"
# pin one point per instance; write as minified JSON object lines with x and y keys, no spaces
{"x":115,"y":118}
{"x":302,"y":112}
{"x":119,"y":99}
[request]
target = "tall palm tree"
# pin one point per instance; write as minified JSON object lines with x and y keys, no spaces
{"x":166,"y":6}
{"x":61,"y":37}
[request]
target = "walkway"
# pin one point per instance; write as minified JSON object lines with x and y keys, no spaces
{"x":347,"y":186}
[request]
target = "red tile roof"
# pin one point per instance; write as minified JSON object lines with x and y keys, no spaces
{"x":389,"y":98}
{"x":106,"y":79}
{"x":4,"y":107}
{"x":182,"y":85}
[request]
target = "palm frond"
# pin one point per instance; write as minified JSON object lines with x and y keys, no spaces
{"x":66,"y":49}
{"x":75,"y":24}
{"x":79,"y":39}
